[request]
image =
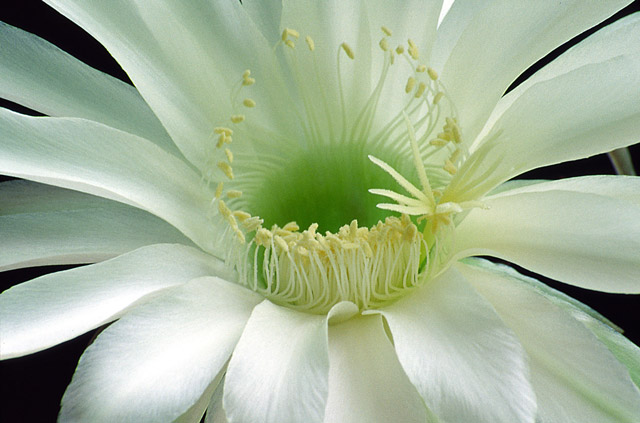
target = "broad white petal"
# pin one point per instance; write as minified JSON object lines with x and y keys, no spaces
{"x":583,"y":103}
{"x":54,"y":308}
{"x":500,"y":39}
{"x":466,"y":364}
{"x":90,"y":157}
{"x":44,"y":225}
{"x":37,"y":74}
{"x":156,"y":362}
{"x":186,"y":59}
{"x":366,"y":381}
{"x":587,"y":239}
{"x":279,"y":370}
{"x":575,"y":377}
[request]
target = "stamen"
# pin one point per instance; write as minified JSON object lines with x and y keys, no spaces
{"x":249,"y":103}
{"x":432,"y":74}
{"x":384,"y":44}
{"x":226,"y":168}
{"x":413,"y":49}
{"x":237,"y":118}
{"x":310,"y":43}
{"x":421,"y":68}
{"x":234,"y":193}
{"x":290,"y":44}
{"x":386,"y":31}
{"x":219,"y":189}
{"x":411,"y":82}
{"x":288,"y":32}
{"x":347,"y":49}
{"x":229,"y":155}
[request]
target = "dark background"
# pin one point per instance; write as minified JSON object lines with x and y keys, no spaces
{"x":31,"y":387}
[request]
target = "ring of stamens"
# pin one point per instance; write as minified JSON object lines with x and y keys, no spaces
{"x":366,"y":266}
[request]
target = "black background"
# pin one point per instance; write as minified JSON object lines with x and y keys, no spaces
{"x":31,"y":387}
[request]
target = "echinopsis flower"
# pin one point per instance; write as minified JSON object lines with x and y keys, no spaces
{"x":292,"y":196}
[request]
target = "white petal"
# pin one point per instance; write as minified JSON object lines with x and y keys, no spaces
{"x":42,"y":77}
{"x":575,"y":377}
{"x":186,"y":59}
{"x":59,"y":306}
{"x":89,"y":157}
{"x":583,"y":103}
{"x":279,"y":371}
{"x":156,"y":362}
{"x":366,"y":381}
{"x":44,"y":225}
{"x":582,"y":238}
{"x":487,"y":44}
{"x":467,"y":365}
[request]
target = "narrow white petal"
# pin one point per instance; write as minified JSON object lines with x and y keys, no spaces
{"x":575,"y":377}
{"x":279,"y":371}
{"x":59,"y":306}
{"x":583,"y":103}
{"x":587,"y":239}
{"x":466,"y":364}
{"x":44,"y":225}
{"x":498,"y":40}
{"x":156,"y":362}
{"x":186,"y":59}
{"x":90,"y":157}
{"x":366,"y":381}
{"x":37,"y":74}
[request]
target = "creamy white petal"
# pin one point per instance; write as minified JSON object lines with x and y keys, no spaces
{"x":279,"y":370}
{"x":54,"y":308}
{"x":44,"y":225}
{"x":37,"y":74}
{"x":583,"y":103}
{"x":467,"y":365}
{"x":90,"y":157}
{"x":575,"y":377}
{"x":588,"y":239}
{"x":186,"y":59}
{"x":266,"y":14}
{"x":488,"y":44}
{"x":366,"y":381}
{"x":156,"y":362}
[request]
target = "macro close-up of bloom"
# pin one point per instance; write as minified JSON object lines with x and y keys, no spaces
{"x":307,"y":211}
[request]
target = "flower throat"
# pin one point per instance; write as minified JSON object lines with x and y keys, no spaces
{"x":327,"y":183}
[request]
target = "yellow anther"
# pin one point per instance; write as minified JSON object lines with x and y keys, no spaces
{"x":249,"y":103}
{"x":413,"y":49}
{"x":239,"y":235}
{"x":229,"y":155}
{"x":252,"y":223}
{"x":455,"y":155}
{"x":432,"y":73}
{"x":241,"y":215}
{"x":290,"y":44}
{"x":234,"y":193}
{"x":248,"y":81}
{"x":288,"y":32}
{"x":219,"y":189}
{"x":347,"y":49}
{"x":310,"y":43}
{"x":438,"y":97}
{"x":421,"y":88}
{"x":223,"y":131}
{"x":226,"y":168}
{"x":246,"y":73}
{"x":421,"y":68}
{"x":400,"y":49}
{"x":386,"y":31}
{"x":291,"y":227}
{"x":457,"y":136}
{"x":224,"y":210}
{"x":237,"y":118}
{"x":263,"y":236}
{"x":445,"y":135}
{"x":411,"y":83}
{"x":437,"y":142}
{"x":384,"y":44}
{"x":450,"y":167}
{"x":281,"y":243}
{"x":302,"y":251}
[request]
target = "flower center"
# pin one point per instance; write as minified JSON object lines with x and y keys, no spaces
{"x":325,"y":180}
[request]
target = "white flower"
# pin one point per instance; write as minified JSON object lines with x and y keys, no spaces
{"x":239,"y":244}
